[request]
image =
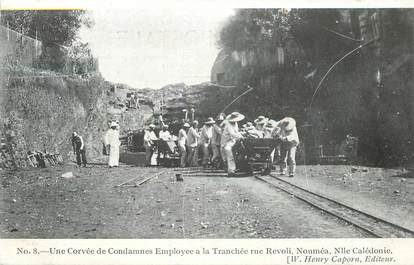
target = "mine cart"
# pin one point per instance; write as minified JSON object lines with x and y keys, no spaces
{"x":255,"y":154}
{"x":135,"y":141}
{"x":168,"y":153}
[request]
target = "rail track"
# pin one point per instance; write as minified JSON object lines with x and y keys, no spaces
{"x":373,"y":225}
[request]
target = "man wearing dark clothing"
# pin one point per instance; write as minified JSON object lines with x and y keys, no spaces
{"x":79,"y":149}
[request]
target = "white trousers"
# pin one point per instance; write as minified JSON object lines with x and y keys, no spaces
{"x":206,"y":154}
{"x":288,"y":156}
{"x":228,"y":156}
{"x":216,"y":152}
{"x":113,"y":156}
{"x":223,"y":154}
{"x":192,"y":156}
{"x":183,"y":153}
{"x":149,"y":151}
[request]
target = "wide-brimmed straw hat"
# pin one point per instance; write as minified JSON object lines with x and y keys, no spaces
{"x":210,"y":120}
{"x":235,"y":117}
{"x":261,"y":120}
{"x":152,"y":125}
{"x":288,"y":123}
{"x":165,"y":126}
{"x":186,"y":125}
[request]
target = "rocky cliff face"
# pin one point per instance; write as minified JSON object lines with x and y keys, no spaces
{"x":206,"y":99}
{"x":40,"y":112}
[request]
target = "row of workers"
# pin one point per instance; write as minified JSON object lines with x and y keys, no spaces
{"x":221,"y":135}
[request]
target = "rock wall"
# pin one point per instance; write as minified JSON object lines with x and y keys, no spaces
{"x":41,"y":110}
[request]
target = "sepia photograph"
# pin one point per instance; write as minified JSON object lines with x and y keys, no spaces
{"x":207,"y":123}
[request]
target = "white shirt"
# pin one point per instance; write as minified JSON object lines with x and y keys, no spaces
{"x":291,"y":136}
{"x":149,"y":136}
{"x":206,"y":134}
{"x":165,"y":135}
{"x":192,"y":137}
{"x":182,"y":137}
{"x":230,"y":133}
{"x":216,"y":135}
{"x":112,"y":138}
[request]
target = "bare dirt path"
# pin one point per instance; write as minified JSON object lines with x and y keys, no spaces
{"x":42,"y":204}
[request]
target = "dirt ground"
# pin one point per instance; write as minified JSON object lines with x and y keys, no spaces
{"x":40,"y":203}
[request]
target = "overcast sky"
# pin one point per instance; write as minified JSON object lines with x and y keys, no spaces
{"x":156,"y":47}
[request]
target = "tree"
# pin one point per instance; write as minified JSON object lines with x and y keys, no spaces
{"x":56,"y":29}
{"x":80,"y":58}
{"x":368,"y":93}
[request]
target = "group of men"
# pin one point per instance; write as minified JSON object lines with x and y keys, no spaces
{"x":215,"y":140}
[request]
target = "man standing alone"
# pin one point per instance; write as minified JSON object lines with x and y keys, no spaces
{"x":112,"y":143}
{"x":79,"y":149}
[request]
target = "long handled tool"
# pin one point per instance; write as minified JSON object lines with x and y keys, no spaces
{"x":234,"y":100}
{"x":330,"y":68}
{"x":123,"y":184}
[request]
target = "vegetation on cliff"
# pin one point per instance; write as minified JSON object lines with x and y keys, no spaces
{"x":284,"y":55}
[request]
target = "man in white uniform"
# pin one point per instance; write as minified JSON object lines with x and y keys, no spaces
{"x":228,"y":139}
{"x":192,"y":144}
{"x":165,"y":134}
{"x":215,"y":141}
{"x":260,"y":122}
{"x":268,"y":130}
{"x":163,"y":146}
{"x":112,"y":143}
{"x":269,"y":127}
{"x":206,"y":135}
{"x":290,"y":140}
{"x":149,"y":138}
{"x":182,"y":139}
{"x":249,"y":131}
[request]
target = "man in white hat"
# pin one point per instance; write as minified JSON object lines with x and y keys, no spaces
{"x":192,"y":144}
{"x":215,"y":140}
{"x":290,"y":140}
{"x":149,"y":144}
{"x":268,"y":128}
{"x":165,"y":134}
{"x":228,"y":139}
{"x":251,"y":132}
{"x":260,"y":122}
{"x":206,"y":136}
{"x":112,"y":143}
{"x":182,"y":139}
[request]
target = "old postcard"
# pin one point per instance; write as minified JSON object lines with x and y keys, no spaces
{"x":198,"y":132}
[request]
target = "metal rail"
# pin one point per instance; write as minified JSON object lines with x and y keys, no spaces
{"x":373,"y":225}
